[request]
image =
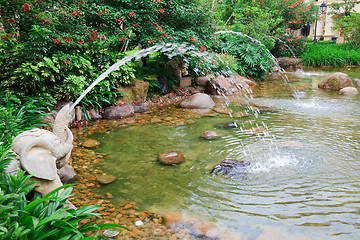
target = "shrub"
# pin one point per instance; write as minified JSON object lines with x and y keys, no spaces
{"x":253,"y":59}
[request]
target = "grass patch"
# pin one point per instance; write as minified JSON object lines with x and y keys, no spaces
{"x":331,"y":55}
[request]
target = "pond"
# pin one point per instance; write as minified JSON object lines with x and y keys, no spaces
{"x":313,"y":192}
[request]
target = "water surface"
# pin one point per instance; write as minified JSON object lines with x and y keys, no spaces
{"x":313,"y":192}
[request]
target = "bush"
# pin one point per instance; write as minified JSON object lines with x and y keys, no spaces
{"x":331,"y":55}
{"x":253,"y":59}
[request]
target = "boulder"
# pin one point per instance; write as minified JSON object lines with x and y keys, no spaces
{"x":198,"y":100}
{"x":90,"y":143}
{"x":336,"y":81}
{"x":202,"y":81}
{"x":209,"y":135}
{"x":93,"y":114}
{"x":349,"y":91}
{"x":231,"y":167}
{"x":140,"y":108}
{"x":116,"y":112}
{"x":67,"y":174}
{"x":136,"y":92}
{"x":105,"y":179}
{"x":228,"y":86}
{"x":286,"y":62}
{"x":171,"y":158}
{"x":291,"y":144}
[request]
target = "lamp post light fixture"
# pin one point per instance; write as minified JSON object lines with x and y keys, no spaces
{"x":322,"y":9}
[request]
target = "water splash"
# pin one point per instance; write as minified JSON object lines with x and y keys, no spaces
{"x":282,"y":71}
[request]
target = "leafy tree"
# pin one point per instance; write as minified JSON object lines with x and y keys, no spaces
{"x":347,"y":21}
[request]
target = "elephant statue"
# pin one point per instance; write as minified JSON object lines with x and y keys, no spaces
{"x":41,"y":152}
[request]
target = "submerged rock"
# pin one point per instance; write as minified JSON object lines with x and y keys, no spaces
{"x":90,"y":143}
{"x":105,"y":179}
{"x":291,"y":144}
{"x":241,"y":114}
{"x":336,"y":81}
{"x":171,"y":158}
{"x":231,"y":167}
{"x":350,"y":91}
{"x":198,"y":228}
{"x":256,"y":131}
{"x":226,"y":125}
{"x":209,"y":135}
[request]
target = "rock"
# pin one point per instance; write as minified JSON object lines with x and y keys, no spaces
{"x":140,"y":108}
{"x":67,"y":174}
{"x":209,"y":135}
{"x":286,"y":63}
{"x":155,"y":120}
{"x":231,"y":167}
{"x":291,"y":144}
{"x":256,"y":131}
{"x":93,"y":114}
{"x":241,"y":114}
{"x":90,"y":143}
{"x":155,"y":98}
{"x":223,"y":110}
{"x":198,"y":100}
{"x":136,"y":92}
{"x":171,"y":158}
{"x":228,"y":86}
{"x":202,"y":81}
{"x":116,"y":112}
{"x":270,"y":234}
{"x":226,"y":125}
{"x":350,"y":91}
{"x":105,"y":179}
{"x":197,"y":227}
{"x":336,"y":81}
{"x":299,"y":95}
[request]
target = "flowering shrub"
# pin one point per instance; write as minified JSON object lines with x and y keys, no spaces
{"x":60,"y":47}
{"x":288,"y":45}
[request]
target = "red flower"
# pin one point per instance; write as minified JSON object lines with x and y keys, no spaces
{"x":26,"y":7}
{"x":202,"y":48}
{"x":130,"y":14}
{"x":158,"y":1}
{"x":81,"y":42}
{"x":214,"y":62}
{"x":119,"y":19}
{"x":288,"y":29}
{"x":217,"y":43}
{"x":134,"y":25}
{"x":56,"y":40}
{"x":162,"y":10}
{"x":163,"y":35}
{"x":290,"y":39}
{"x":192,"y":39}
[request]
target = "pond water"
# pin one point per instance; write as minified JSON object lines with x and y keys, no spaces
{"x":312,"y":193}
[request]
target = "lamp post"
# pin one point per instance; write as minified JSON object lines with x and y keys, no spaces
{"x":322,"y":9}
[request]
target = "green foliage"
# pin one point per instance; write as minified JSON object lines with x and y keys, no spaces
{"x":44,"y":217}
{"x":331,"y":55}
{"x":349,"y":26}
{"x":253,"y":59}
{"x":60,"y":47}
